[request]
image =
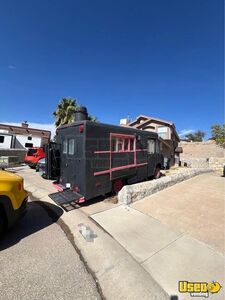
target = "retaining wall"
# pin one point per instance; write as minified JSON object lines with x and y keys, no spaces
{"x":214,"y":163}
{"x":138,"y":191}
{"x":201,"y":150}
{"x":20,"y":153}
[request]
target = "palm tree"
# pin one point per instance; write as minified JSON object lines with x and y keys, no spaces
{"x":64,"y":113}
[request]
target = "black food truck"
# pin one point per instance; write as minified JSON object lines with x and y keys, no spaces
{"x":93,"y":159}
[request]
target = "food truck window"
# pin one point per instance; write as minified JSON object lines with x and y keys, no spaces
{"x":131,"y":144}
{"x":122,"y":144}
{"x":71,"y":149}
{"x":157,"y":148}
{"x":126,"y":144}
{"x":114,"y":145}
{"x":65,"y":147}
{"x":151,"y":146}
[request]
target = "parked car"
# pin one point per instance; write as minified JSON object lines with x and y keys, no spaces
{"x":13,"y":199}
{"x":40,"y":167}
{"x":33,"y":156}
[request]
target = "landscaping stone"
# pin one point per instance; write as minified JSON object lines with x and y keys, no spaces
{"x":138,"y":191}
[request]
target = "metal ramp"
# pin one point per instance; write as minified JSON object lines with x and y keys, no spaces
{"x":65,"y":197}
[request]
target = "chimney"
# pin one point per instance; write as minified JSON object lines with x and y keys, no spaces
{"x":123,"y":122}
{"x":25,"y":124}
{"x":81,"y":113}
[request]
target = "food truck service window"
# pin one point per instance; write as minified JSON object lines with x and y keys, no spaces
{"x":122,"y":144}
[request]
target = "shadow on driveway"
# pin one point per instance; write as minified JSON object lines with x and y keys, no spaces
{"x":39,"y":216}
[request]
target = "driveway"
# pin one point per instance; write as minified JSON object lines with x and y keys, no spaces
{"x":194,"y":207}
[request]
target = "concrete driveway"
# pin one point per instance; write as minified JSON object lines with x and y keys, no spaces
{"x":176,"y":234}
{"x":194,"y":207}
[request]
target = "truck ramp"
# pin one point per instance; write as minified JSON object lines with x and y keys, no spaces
{"x":66,"y":197}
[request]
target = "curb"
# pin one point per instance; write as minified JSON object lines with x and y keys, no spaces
{"x":56,"y":218}
{"x":116,"y":273}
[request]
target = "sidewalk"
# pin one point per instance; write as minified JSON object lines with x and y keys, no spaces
{"x":134,"y":255}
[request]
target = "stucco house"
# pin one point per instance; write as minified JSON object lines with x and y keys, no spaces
{"x":22,"y":137}
{"x":166,"y":131}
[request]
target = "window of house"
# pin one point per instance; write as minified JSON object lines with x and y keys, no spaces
{"x":2,"y":138}
{"x":71,"y":146}
{"x":64,"y":146}
{"x":29,"y":138}
{"x":28,"y":145}
{"x":163,"y":132}
{"x":151,"y":146}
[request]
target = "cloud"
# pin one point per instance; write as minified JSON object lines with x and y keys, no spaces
{"x":185,"y":132}
{"x":12,"y":67}
{"x":50,"y":127}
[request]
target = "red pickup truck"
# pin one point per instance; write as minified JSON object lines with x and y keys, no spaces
{"x":33,"y":156}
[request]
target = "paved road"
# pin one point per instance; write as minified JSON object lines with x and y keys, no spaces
{"x":37,"y":261}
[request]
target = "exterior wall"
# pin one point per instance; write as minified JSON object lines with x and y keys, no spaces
{"x":203,"y":154}
{"x":148,"y":128}
{"x":201,"y":150}
{"x":169,"y":135}
{"x":20,"y":135}
{"x":166,"y":134}
{"x":156,"y":128}
{"x":214,"y":163}
{"x":7,"y":140}
{"x":22,"y":140}
{"x":19,"y":141}
{"x":20,"y":153}
{"x":167,"y":151}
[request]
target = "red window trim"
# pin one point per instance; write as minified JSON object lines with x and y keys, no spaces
{"x":119,"y":168}
{"x":123,"y":137}
{"x":110,"y":152}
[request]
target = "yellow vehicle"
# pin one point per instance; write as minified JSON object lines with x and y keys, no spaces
{"x":13,"y":199}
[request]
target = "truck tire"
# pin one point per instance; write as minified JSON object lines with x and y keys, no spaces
{"x":117,"y":186}
{"x":2,"y":222}
{"x":157,"y":173}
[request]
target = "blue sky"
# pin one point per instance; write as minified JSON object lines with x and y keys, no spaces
{"x":154,"y":57}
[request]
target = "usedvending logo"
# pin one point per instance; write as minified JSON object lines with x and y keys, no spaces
{"x":199,"y":289}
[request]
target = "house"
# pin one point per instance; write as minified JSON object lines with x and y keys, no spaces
{"x":166,"y":131}
{"x":22,"y":137}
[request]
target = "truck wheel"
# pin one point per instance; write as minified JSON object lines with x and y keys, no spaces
{"x":157,"y":173}
{"x":117,"y":186}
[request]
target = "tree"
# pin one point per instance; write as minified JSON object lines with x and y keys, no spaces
{"x":197,"y":136}
{"x":64,"y":113}
{"x":218,"y":134}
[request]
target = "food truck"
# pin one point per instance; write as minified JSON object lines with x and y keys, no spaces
{"x":95,"y":159}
